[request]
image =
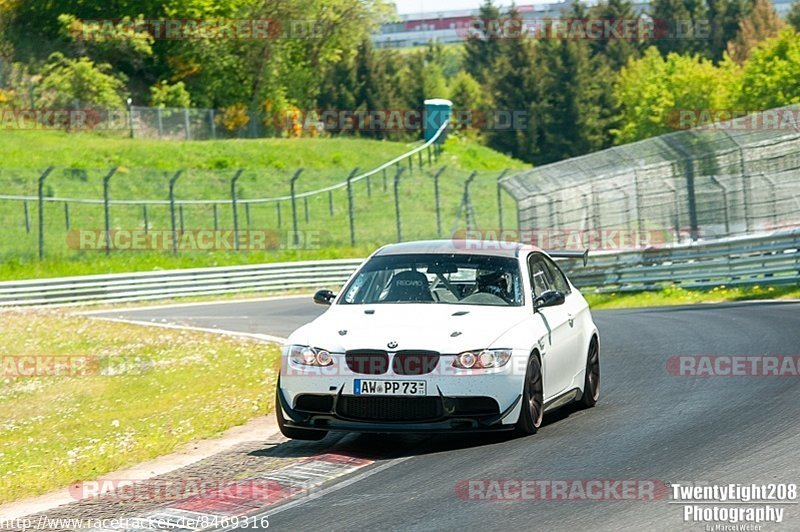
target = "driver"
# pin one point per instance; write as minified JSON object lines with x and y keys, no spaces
{"x":493,"y":282}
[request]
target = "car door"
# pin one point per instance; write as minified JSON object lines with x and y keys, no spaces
{"x":555,"y":346}
{"x":577,"y":315}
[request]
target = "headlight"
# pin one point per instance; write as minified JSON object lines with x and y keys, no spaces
{"x":309,"y":356}
{"x":488,"y":358}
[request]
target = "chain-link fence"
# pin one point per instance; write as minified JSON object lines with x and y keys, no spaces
{"x":117,"y":210}
{"x":728,"y":179}
{"x":72,"y":211}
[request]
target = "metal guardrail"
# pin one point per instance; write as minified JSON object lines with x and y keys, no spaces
{"x":143,"y":286}
{"x":769,"y":259}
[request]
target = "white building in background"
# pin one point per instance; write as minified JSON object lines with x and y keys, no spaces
{"x":447,"y":27}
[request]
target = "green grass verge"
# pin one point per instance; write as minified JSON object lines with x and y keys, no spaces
{"x":678,"y":296}
{"x":145,"y":168}
{"x":183,"y":386}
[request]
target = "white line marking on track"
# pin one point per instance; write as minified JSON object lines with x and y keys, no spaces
{"x":308,"y":470}
{"x":336,"y":487}
{"x":194,"y":304}
{"x":223,"y":332}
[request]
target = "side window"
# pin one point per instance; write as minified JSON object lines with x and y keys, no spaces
{"x":540,"y":275}
{"x":559,"y":279}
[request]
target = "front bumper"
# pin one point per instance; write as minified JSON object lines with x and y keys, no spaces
{"x":448,"y":391}
{"x":448,"y":420}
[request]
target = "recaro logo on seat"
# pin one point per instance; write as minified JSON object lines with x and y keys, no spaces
{"x":410,"y":283}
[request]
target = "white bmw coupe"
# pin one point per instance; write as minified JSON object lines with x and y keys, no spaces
{"x":442,"y":336}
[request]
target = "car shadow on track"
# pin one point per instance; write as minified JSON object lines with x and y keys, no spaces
{"x":391,"y":446}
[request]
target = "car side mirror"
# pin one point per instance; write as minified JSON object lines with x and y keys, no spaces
{"x":551,"y":298}
{"x":324,"y":297}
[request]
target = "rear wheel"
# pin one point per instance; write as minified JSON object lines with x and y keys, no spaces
{"x":530,"y":417}
{"x":591,"y":382}
{"x":293,"y":432}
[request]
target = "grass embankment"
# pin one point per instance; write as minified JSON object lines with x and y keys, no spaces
{"x":675,"y":295}
{"x":143,"y":392}
{"x":145,"y":167}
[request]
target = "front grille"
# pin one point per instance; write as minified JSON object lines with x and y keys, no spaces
{"x":415,"y":362}
{"x":389,"y":408}
{"x":367,"y":362}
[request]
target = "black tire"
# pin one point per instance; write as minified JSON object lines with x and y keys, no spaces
{"x":530,"y":417}
{"x":591,"y":382}
{"x":293,"y":432}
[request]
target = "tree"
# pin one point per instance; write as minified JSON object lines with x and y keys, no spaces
{"x":762,"y":23}
{"x":724,"y":17}
{"x":467,"y":97}
{"x":340,"y":82}
{"x":6,"y":46}
{"x":567,"y":111}
{"x":165,"y":95}
{"x":482,"y":48}
{"x":615,"y":50}
{"x":769,"y":78}
{"x":514,"y":87}
{"x":421,"y":79}
{"x":65,"y":81}
{"x":653,"y":91}
{"x":793,"y":16}
{"x":679,"y":26}
{"x":373,"y":90}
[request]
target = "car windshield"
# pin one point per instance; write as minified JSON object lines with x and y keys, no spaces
{"x":437,"y":278}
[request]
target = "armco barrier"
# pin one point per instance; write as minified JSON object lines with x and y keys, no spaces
{"x":768,"y":259}
{"x":144,"y":286}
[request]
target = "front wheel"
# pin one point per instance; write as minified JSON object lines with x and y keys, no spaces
{"x":294,"y":433}
{"x":530,"y":417}
{"x":591,"y":382}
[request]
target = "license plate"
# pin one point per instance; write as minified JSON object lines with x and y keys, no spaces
{"x":375,"y":387}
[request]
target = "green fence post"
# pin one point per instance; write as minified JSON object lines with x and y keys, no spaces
{"x":106,"y":209}
{"x":437,"y":207}
{"x":41,"y":209}
{"x":397,"y":202}
{"x":350,"y":207}
{"x":172,"y":210}
{"x":234,"y":208}
{"x":500,"y":198}
{"x":295,"y":177}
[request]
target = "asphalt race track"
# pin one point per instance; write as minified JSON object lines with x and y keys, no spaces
{"x":649,"y":425}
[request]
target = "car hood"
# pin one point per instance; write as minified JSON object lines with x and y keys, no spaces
{"x":437,"y":327}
